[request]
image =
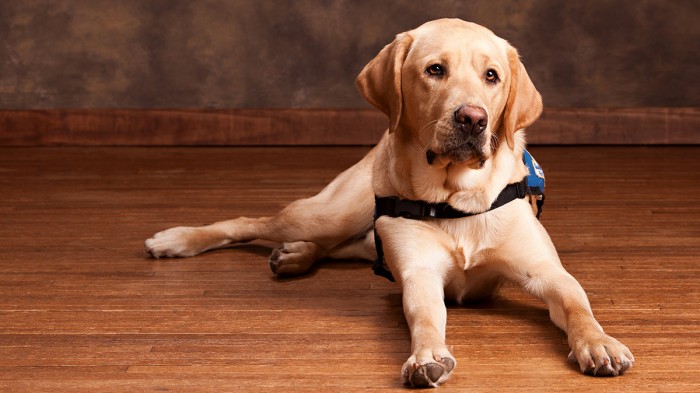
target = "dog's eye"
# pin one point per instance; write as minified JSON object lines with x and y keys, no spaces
{"x":435,"y":70}
{"x":492,"y":75}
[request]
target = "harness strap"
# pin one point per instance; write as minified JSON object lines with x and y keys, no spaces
{"x":420,"y":210}
{"x":417,"y":210}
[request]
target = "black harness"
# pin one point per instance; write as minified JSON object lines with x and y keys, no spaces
{"x":421,"y":210}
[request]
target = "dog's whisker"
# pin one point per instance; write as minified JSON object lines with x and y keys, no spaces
{"x":430,"y":125}
{"x":494,"y":141}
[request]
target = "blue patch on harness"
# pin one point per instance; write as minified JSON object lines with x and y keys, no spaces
{"x":535,"y":180}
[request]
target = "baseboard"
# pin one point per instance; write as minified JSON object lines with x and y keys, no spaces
{"x":617,"y":126}
{"x":151,"y":127}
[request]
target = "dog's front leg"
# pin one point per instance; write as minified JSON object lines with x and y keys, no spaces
{"x":431,"y":362}
{"x":538,"y":270}
{"x":419,"y":261}
{"x":596,"y":352}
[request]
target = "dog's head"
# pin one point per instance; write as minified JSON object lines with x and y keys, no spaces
{"x":454,"y":88}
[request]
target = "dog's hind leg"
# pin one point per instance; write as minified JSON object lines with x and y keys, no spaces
{"x":190,"y":241}
{"x":342,"y":211}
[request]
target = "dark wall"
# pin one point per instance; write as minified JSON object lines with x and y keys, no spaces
{"x":281,"y":53}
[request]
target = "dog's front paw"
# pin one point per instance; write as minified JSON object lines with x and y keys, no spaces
{"x":601,"y":355}
{"x":428,"y":368}
{"x":291,"y":259}
{"x":175,"y":242}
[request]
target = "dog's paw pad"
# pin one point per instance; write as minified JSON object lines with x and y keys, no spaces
{"x":274,"y":259}
{"x":447,"y":363}
{"x":423,"y":374}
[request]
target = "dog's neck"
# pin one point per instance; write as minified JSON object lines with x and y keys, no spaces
{"x":466,"y":186}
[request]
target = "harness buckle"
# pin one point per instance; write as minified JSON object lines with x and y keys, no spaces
{"x":432,"y":212}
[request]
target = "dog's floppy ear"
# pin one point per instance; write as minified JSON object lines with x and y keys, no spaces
{"x":380,"y":80}
{"x":524,"y":103}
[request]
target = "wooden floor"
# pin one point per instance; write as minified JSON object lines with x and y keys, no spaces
{"x":83,"y":309}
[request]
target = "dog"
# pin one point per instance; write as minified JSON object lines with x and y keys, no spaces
{"x":458,"y":100}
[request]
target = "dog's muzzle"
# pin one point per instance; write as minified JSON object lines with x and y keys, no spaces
{"x":467,"y":140}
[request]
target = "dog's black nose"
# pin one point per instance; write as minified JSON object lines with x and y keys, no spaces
{"x":471,"y":119}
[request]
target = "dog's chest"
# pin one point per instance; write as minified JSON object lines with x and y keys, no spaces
{"x":476,"y":237}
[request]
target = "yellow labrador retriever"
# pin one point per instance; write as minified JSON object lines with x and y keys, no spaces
{"x":458,"y":99}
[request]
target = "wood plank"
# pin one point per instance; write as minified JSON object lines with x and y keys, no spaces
{"x":83,"y":309}
{"x":175,"y":127}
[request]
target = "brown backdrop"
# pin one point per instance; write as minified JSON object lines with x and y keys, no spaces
{"x":62,"y":59}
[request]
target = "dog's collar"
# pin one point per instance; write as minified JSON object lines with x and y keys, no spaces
{"x":533,"y":184}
